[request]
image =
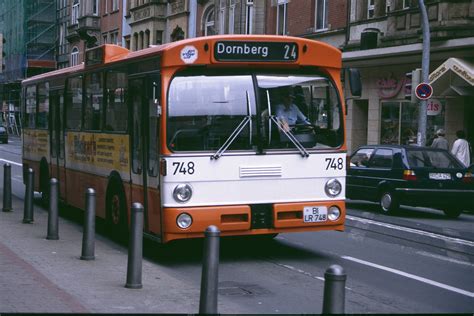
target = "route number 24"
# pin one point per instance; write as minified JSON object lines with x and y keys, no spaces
{"x":335,"y":164}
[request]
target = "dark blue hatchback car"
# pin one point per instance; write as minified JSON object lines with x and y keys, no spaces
{"x":409,"y":175}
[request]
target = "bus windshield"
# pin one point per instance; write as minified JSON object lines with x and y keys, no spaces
{"x":253,"y":112}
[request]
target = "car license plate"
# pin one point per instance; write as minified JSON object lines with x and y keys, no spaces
{"x":440,"y":176}
{"x":314,"y":214}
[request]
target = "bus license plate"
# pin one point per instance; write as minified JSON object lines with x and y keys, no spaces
{"x":314,"y":214}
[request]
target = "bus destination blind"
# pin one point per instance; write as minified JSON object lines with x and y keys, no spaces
{"x":255,"y":51}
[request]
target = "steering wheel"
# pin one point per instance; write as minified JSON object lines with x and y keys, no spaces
{"x":302,"y":128}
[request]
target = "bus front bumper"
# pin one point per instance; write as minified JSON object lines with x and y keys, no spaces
{"x":238,"y":220}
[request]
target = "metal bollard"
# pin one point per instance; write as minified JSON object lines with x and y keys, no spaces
{"x":88,"y":235}
{"x":135,"y":249}
{"x":28,"y":209}
{"x":7,"y":188}
{"x":53,"y":213}
{"x":334,"y":290}
{"x":210,"y":272}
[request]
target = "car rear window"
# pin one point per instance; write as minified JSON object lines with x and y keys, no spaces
{"x":431,"y":159}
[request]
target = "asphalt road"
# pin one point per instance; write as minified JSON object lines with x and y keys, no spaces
{"x":417,"y":262}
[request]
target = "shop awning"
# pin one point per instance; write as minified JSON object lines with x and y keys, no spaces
{"x":455,"y":77}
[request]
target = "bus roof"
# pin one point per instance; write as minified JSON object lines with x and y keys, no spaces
{"x":218,"y":49}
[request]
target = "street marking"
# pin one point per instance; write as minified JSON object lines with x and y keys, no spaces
{"x":414,"y":231}
{"x":427,"y":254}
{"x":303,"y":272}
{"x":12,"y":162}
{"x":411,"y":276}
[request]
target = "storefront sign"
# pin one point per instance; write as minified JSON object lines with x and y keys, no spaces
{"x":389,"y":86}
{"x":433,"y":107}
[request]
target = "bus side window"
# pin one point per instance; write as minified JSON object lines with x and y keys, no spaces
{"x":153,"y":114}
{"x":74,"y":103}
{"x":116,"y":111}
{"x":30,"y":107}
{"x":93,"y":105}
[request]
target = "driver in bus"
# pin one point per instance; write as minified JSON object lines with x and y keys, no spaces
{"x":289,"y":114}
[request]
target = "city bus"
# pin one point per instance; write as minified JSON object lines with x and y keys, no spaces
{"x":196,"y":132}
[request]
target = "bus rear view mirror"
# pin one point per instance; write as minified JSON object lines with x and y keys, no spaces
{"x":355,"y":82}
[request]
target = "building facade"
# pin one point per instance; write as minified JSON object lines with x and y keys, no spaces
{"x":28,"y":31}
{"x":385,"y":43}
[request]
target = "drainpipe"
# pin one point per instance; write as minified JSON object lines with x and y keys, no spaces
{"x":192,"y":18}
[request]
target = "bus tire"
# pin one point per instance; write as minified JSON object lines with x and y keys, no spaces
{"x":44,"y":185}
{"x":116,"y":217}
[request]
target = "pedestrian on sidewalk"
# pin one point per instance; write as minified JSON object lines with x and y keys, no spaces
{"x":440,"y":141}
{"x":461,"y":148}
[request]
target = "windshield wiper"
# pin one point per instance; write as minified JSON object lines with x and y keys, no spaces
{"x":237,"y":131}
{"x":304,"y":153}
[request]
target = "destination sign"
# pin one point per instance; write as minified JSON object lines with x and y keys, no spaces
{"x":255,"y":51}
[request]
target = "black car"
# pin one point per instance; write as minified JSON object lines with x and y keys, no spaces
{"x":410,"y":175}
{"x":3,"y":135}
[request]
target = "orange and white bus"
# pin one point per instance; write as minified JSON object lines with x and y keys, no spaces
{"x":242,"y":132}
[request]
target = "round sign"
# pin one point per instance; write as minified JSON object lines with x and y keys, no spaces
{"x":433,"y":107}
{"x":423,"y":91}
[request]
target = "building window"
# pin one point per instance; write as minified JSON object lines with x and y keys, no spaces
{"x":159,"y":37}
{"x":106,"y":6}
{"x":222,"y":17}
{"x":406,"y":4}
{"x":74,"y":56}
{"x":282,"y":17}
{"x":388,"y":7}
{"x":321,"y":14}
{"x":104,"y":38}
{"x":370,"y":8}
{"x":249,"y":17}
{"x":399,"y":121}
{"x":75,"y":12}
{"x":95,"y":7}
{"x":115,"y":5}
{"x":209,"y":22}
{"x":231,"y":16}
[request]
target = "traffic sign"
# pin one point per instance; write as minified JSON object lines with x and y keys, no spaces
{"x":424,"y":91}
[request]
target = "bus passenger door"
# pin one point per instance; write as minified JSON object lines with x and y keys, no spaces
{"x":144,"y":138}
{"x":56,"y":127}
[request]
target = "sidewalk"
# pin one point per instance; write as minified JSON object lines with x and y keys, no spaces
{"x":47,"y":276}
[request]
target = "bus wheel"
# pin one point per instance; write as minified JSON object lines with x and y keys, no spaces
{"x":44,"y":184}
{"x":116,"y":214}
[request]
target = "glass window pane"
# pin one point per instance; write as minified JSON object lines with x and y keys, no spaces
{"x":409,"y":123}
{"x":204,"y":111}
{"x":116,"y":115}
{"x":137,"y":137}
{"x":306,"y":106}
{"x":390,"y":118}
{"x":93,"y":105}
{"x":361,"y":157}
{"x":382,"y":159}
{"x":74,"y":103}
{"x":30,"y":104}
{"x":43,"y":105}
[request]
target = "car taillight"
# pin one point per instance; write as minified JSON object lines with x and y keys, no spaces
{"x":467,"y":178}
{"x":409,"y":175}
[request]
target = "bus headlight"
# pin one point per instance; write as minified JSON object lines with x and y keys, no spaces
{"x":182,"y":193}
{"x":333,"y":188}
{"x":334,"y":213}
{"x":184,"y":220}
